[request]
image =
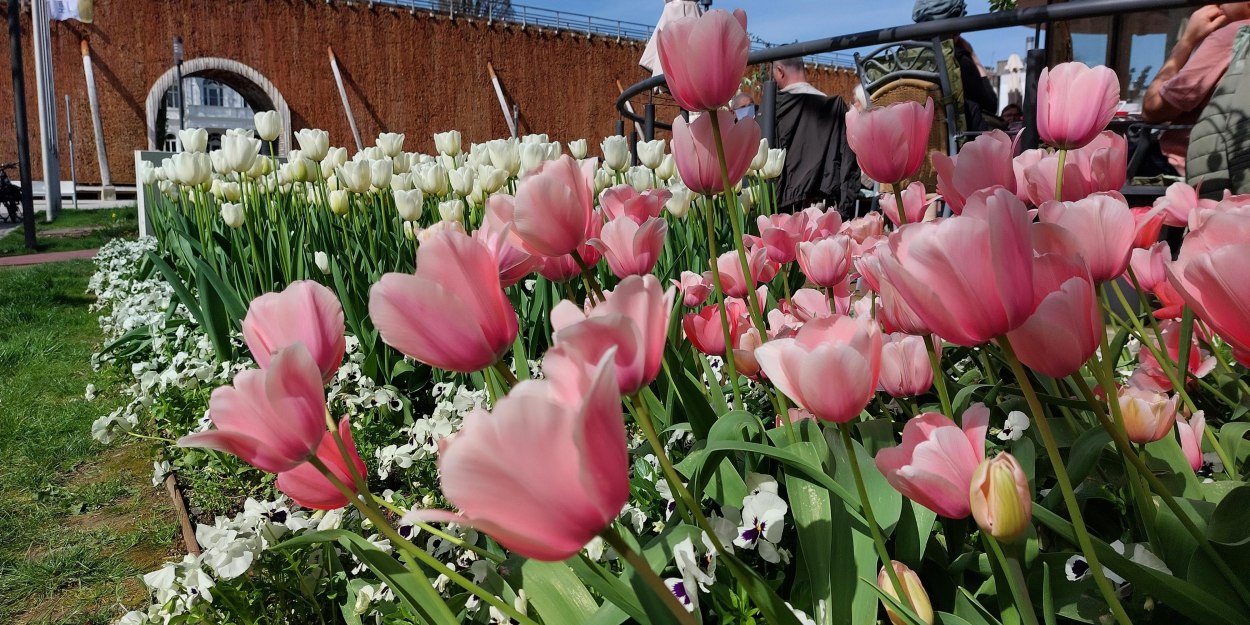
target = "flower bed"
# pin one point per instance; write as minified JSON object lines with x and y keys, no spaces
{"x":482,"y":401}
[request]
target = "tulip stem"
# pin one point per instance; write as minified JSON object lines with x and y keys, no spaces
{"x":507,"y":374}
{"x":652,"y":580}
{"x":592,"y":285}
{"x":898,"y":202}
{"x":731,"y":370}
{"x":939,"y":375}
{"x":426,"y":527}
{"x":735,"y":213}
{"x":643,"y":418}
{"x":1063,"y":157}
{"x":1122,"y":443}
{"x":1065,"y":483}
{"x":878,"y":540}
{"x":1015,"y":580}
{"x":366,"y":507}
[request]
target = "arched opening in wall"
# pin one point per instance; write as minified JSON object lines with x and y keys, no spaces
{"x":217,"y":95}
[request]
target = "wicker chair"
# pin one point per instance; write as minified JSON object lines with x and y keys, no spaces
{"x":915,"y":71}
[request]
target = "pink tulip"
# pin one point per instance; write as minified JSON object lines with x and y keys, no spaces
{"x":914,"y":204}
{"x":1150,"y":265}
{"x":1176,"y":203}
{"x":705,"y":332}
{"x":1063,"y":332}
{"x":305,"y":312}
{"x":808,"y":304}
{"x":838,"y":348}
{"x":271,"y":418}
{"x":984,"y":162}
{"x":547,"y":469}
{"x":1171,"y":303}
{"x":452,"y":313}
{"x":731,"y":278}
{"x":1206,"y":208}
{"x":704,"y":58}
{"x":781,"y":235}
{"x":1213,"y":261}
{"x":890,"y":142}
{"x":1148,"y":415}
{"x":1149,"y":222}
{"x":309,"y":488}
{"x":633,"y":321}
{"x":894,"y":314}
{"x":1190,"y":432}
{"x":934,"y":465}
{"x":1099,"y":166}
{"x":905,"y":367}
{"x":553,"y":208}
{"x":499,"y":237}
{"x":826,"y":262}
{"x":564,"y":268}
{"x":624,"y":201}
{"x":744,"y":353}
{"x":861,"y":229}
{"x":694,"y":150}
{"x":1001,"y":501}
{"x":694,"y":288}
{"x":821,"y":223}
{"x":1200,"y":362}
{"x":631,"y":249}
{"x":1103,"y":227}
{"x":1075,"y":103}
{"x":969,"y":278}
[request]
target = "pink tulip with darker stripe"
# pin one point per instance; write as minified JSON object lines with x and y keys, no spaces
{"x":304,"y":312}
{"x":307,"y":486}
{"x":829,"y":348}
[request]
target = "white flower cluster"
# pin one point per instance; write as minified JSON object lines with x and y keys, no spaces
{"x":351,"y":391}
{"x":454,"y":403}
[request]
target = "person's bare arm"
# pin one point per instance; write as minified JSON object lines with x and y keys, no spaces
{"x":1203,"y":22}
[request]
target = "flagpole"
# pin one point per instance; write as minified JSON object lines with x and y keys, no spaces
{"x":44,"y":93}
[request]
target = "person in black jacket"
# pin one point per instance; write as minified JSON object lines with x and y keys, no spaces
{"x":811,"y":126}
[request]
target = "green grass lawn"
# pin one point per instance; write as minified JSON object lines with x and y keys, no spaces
{"x":79,"y":522}
{"x":92,"y":228}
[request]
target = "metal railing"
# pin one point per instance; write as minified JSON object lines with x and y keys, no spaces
{"x":581,"y":23}
{"x":925,"y":31}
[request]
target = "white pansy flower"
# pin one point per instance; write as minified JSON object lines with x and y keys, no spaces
{"x":1017,"y":422}
{"x":763,"y":519}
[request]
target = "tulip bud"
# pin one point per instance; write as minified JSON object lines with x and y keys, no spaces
{"x":477,"y":197}
{"x":268,"y":125}
{"x":402,"y":162}
{"x":339,"y":202}
{"x":615,"y":152}
{"x":335,"y":157}
{"x":313,"y":143}
{"x":761,"y":156}
{"x":504,"y":154}
{"x":746,"y":199}
{"x":776,"y":163}
{"x":391,"y":143}
{"x":410,"y":231}
{"x":322,"y":261}
{"x":667,"y":168}
{"x":679,"y":204}
{"x":577,"y":148}
{"x":1000,"y":498}
{"x":408,"y":203}
{"x":603,"y":180}
{"x":402,"y":182}
{"x":917,"y":598}
{"x":532,"y":156}
{"x":651,"y":153}
{"x":491,"y":178}
{"x":448,"y":143}
{"x":1148,"y":416}
{"x":462,"y":181}
{"x":553,"y":150}
{"x":639,"y":178}
{"x":231,"y":192}
{"x":241,"y":132}
{"x":432,"y":179}
{"x":232,"y":214}
{"x":146,"y":173}
{"x":451,"y":210}
{"x":193,"y":139}
{"x":380,"y":173}
{"x":169,"y":189}
{"x":355,"y":176}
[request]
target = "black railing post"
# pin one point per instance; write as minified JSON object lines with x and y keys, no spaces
{"x":1035,"y":61}
{"x":648,"y":121}
{"x":768,"y":112}
{"x":19,"y":122}
{"x":620,"y":127}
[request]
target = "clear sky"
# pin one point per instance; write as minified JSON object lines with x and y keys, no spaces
{"x":787,"y":21}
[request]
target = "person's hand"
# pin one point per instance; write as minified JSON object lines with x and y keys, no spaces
{"x":1203,"y":22}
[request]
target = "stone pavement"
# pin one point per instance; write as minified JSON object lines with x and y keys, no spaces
{"x":51,"y":257}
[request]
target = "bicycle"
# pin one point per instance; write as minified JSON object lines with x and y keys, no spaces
{"x":10,"y":194}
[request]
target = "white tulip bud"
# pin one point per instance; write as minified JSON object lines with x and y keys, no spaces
{"x":532,"y":156}
{"x":380,"y":173}
{"x":232,"y":214}
{"x":339,"y":202}
{"x":239,"y":153}
{"x":577,"y":148}
{"x":409,"y":204}
{"x":218,"y":159}
{"x":451,"y":210}
{"x":651,"y":153}
{"x":169,"y":189}
{"x":391,"y":143}
{"x":355,"y":176}
{"x":491,"y":178}
{"x":334,"y":158}
{"x":462,"y":181}
{"x":506,"y":155}
{"x":260,"y":168}
{"x":242,"y":132}
{"x":553,"y":150}
{"x":639,"y":177}
{"x":402,"y":182}
{"x":193,"y":139}
{"x":268,"y":125}
{"x":534,"y":138}
{"x":402,"y":163}
{"x":746,"y":200}
{"x":322,"y":261}
{"x":775,"y":165}
{"x":679,"y":204}
{"x":448,"y":143}
{"x":410,"y":231}
{"x":432,"y":179}
{"x":761,"y":156}
{"x":146,"y":173}
{"x":615,"y":152}
{"x":314,"y":143}
{"x":477,"y":197}
{"x":603,"y":180}
{"x":192,"y":168}
{"x":667,"y":168}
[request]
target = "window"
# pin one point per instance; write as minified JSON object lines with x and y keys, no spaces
{"x":171,"y":143}
{"x":171,"y":97}
{"x":214,"y":142}
{"x":212,"y":93}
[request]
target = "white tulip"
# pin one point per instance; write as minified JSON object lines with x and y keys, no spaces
{"x":448,"y":143}
{"x":462,"y":181}
{"x":410,"y":231}
{"x":402,"y":162}
{"x":761,"y":156}
{"x":451,"y":210}
{"x":322,"y":261}
{"x":639,"y":178}
{"x":746,"y":200}
{"x":491,"y":178}
{"x":335,"y":157}
{"x":218,"y":159}
{"x":268,"y":125}
{"x":146,"y":173}
{"x":477,"y":156}
{"x":228,"y":191}
{"x":260,"y":167}
{"x":432,"y":179}
{"x":532,"y":156}
{"x":577,"y":148}
{"x":421,"y":159}
{"x":241,"y":132}
{"x":371,"y":153}
{"x":313,"y":143}
{"x":232,"y":214}
{"x":193,"y":139}
{"x":169,"y":189}
{"x":477,"y":197}
{"x":391,"y":143}
{"x":679,"y":204}
{"x":506,"y":155}
{"x":239,"y":152}
{"x":409,"y":204}
{"x":332,"y":183}
{"x":667,"y":168}
{"x":339,"y":202}
{"x":651,"y":153}
{"x":553,"y":150}
{"x":402,"y":182}
{"x":603,"y":180}
{"x":192,"y":168}
{"x":615,"y":152}
{"x":355,"y":177}
{"x":540,"y":138}
{"x":167,"y":170}
{"x":775,"y":165}
{"x":380,"y":173}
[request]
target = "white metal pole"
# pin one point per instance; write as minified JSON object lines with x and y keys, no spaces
{"x":47,"y":107}
{"x":106,"y":180}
